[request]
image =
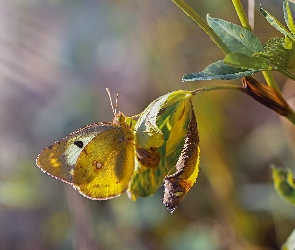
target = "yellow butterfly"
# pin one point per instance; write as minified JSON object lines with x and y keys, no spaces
{"x":98,"y":160}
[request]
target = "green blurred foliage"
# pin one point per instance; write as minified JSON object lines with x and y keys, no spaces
{"x":57,"y":57}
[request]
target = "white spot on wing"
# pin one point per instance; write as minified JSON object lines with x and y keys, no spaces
{"x":73,"y":151}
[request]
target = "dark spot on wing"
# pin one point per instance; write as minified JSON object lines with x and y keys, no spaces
{"x":79,"y":144}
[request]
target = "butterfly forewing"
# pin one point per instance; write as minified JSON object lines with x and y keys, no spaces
{"x":97,"y":159}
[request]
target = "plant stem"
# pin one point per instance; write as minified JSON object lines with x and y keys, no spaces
{"x":291,"y":113}
{"x":291,"y":116}
{"x":245,"y":23}
{"x":203,"y":25}
{"x":216,"y":87}
{"x":241,"y":14}
{"x":271,"y":82}
{"x":215,"y":38}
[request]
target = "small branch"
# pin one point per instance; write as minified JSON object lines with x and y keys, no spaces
{"x":264,"y":97}
{"x":271,"y":81}
{"x":203,"y":25}
{"x":291,"y":116}
{"x":216,"y":87}
{"x":241,"y":14}
{"x":245,"y":23}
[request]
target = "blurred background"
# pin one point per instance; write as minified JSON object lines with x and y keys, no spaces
{"x":56,"y":59}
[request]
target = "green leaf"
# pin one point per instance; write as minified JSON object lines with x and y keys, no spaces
{"x":247,"y":62}
{"x":290,"y":243}
{"x":147,"y":132}
{"x":276,"y":23}
{"x":237,"y":38}
{"x":172,"y":114}
{"x":277,"y":53}
{"x":174,"y":122}
{"x":284,"y":183}
{"x":289,"y":72}
{"x":288,"y":43}
{"x":288,"y":17}
{"x":219,"y":71}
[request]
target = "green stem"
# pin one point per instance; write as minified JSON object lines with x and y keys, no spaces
{"x":215,"y":38}
{"x":271,"y":82}
{"x":216,"y":87}
{"x":241,"y":14}
{"x":203,"y":25}
{"x":245,"y":23}
{"x":291,"y":116}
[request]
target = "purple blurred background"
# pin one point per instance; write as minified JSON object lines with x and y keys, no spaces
{"x":56,"y":59}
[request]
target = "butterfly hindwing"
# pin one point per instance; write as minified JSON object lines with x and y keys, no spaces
{"x":105,"y":166}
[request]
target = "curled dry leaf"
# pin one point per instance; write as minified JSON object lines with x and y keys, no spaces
{"x":187,"y":168}
{"x":265,"y":95}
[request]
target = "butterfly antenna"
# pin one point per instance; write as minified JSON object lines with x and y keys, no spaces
{"x":114,"y":109}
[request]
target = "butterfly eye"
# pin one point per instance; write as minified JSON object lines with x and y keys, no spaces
{"x":79,"y":144}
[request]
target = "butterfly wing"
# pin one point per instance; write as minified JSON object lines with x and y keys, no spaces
{"x":98,"y":160}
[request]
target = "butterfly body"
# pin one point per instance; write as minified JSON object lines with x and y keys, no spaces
{"x":98,"y":160}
